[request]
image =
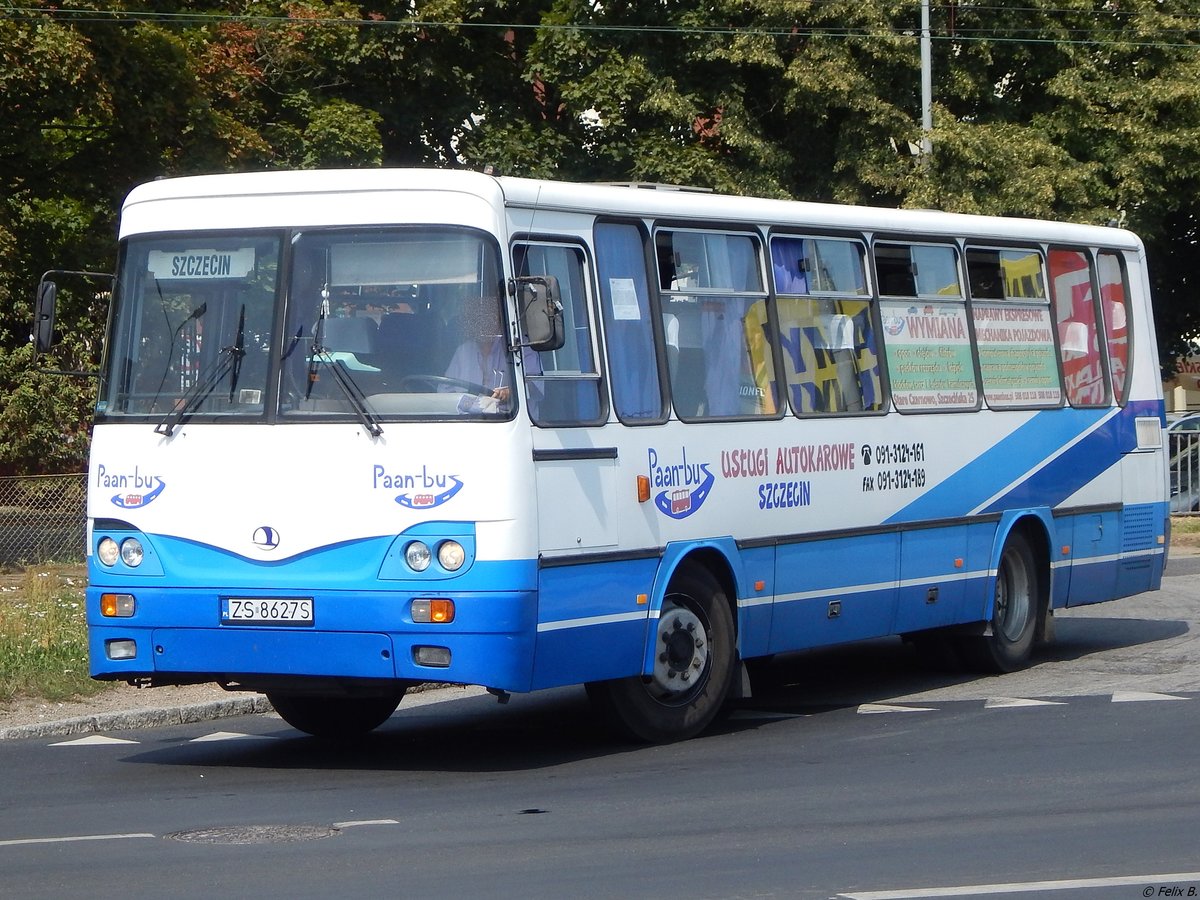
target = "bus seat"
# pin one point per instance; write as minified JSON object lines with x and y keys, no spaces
{"x":408,"y":345}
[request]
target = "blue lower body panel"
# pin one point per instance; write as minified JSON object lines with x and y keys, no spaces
{"x":178,"y":636}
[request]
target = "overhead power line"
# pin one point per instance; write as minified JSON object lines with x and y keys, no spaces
{"x":1176,"y":38}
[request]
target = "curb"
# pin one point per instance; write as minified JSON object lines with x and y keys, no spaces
{"x":156,"y":717}
{"x":142,"y":718}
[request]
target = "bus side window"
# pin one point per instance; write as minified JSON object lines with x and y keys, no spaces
{"x":563,"y":386}
{"x":829,"y":357}
{"x":628,"y":326}
{"x":1014,"y":338}
{"x":1114,"y":302}
{"x":712,"y":290}
{"x":1071,"y":279}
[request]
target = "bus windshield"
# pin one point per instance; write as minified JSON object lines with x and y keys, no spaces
{"x":412,"y":319}
{"x":402,"y":323}
{"x":189,"y":309}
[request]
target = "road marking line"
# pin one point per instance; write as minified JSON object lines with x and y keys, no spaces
{"x":344,"y":825}
{"x":1014,"y":702}
{"x":1070,"y":884}
{"x":1140,"y":696}
{"x":78,"y":837}
{"x":868,"y":709}
{"x":231,"y":736}
{"x":94,"y":739}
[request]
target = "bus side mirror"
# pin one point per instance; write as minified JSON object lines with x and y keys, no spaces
{"x":540,"y":304}
{"x":43,"y":317}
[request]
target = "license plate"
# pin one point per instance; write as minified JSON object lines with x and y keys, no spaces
{"x":266,"y":611}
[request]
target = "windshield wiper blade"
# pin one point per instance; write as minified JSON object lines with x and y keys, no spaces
{"x":239,"y":353}
{"x":353,"y":393}
{"x":199,"y":392}
{"x":342,"y":378}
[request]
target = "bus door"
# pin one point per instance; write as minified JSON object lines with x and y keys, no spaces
{"x":576,"y":473}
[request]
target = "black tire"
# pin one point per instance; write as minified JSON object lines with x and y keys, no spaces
{"x":335,"y":717}
{"x":695,"y":652}
{"x":1021,"y":593}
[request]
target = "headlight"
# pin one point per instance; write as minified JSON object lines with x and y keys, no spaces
{"x":132,"y":552}
{"x":451,"y":555}
{"x":108,"y":551}
{"x":417,"y":556}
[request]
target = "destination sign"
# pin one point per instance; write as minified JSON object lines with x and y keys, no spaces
{"x":201,"y":264}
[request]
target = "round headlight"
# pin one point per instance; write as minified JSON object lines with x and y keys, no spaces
{"x":451,"y":555}
{"x":417,"y":556}
{"x":108,"y":551}
{"x":132,"y":552}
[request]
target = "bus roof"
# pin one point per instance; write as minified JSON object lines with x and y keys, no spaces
{"x":661,"y":202}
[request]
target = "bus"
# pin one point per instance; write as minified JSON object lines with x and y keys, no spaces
{"x":358,"y":431}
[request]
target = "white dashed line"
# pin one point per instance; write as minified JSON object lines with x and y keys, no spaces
{"x":75,"y":838}
{"x":1141,"y":697}
{"x":92,"y":740}
{"x":1014,"y":702}
{"x":1071,"y":884}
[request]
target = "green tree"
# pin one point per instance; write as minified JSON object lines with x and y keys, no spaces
{"x":1074,"y":109}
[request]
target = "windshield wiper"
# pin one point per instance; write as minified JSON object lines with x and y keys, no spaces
{"x":239,"y":353}
{"x":342,"y":378}
{"x":230,"y":361}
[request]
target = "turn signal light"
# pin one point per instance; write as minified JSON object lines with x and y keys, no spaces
{"x":643,"y":488}
{"x":433,"y":611}
{"x":117,"y":606}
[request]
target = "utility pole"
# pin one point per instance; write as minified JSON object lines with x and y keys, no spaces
{"x":926,"y":85}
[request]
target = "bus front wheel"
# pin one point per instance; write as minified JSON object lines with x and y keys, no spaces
{"x":332,"y":716}
{"x":694,"y":664}
{"x":1020,"y":595}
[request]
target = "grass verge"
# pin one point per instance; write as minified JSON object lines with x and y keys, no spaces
{"x":1185,"y":530}
{"x":43,"y":635}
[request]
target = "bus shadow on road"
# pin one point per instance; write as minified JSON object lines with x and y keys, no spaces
{"x":1082,"y":636}
{"x":881,"y":670}
{"x":475,"y":734}
{"x":556,"y":727}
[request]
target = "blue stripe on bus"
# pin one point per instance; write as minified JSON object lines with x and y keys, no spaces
{"x":1023,"y":460}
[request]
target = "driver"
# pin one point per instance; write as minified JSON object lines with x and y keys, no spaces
{"x":483,"y":360}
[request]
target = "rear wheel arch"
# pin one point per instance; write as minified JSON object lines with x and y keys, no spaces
{"x":1019,"y":604}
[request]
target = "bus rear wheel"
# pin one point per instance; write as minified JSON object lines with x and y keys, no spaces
{"x":333,"y":716}
{"x":1020,"y":596}
{"x":694,"y":664}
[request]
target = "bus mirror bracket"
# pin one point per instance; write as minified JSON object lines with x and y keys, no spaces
{"x":43,"y":316}
{"x":539,"y":302}
{"x":45,"y":305}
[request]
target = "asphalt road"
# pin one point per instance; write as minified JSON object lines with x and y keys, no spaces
{"x":860,"y":774}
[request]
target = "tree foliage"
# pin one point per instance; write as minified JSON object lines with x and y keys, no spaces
{"x":1077,"y":109}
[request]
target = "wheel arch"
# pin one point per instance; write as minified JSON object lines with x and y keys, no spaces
{"x":718,"y":557}
{"x":1037,"y":527}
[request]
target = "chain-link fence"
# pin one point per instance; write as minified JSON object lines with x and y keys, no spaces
{"x":42,"y":519}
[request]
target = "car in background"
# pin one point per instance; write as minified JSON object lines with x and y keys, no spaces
{"x":1182,"y":423}
{"x":1183,"y":440}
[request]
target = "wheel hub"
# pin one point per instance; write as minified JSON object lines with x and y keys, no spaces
{"x":681,"y":650}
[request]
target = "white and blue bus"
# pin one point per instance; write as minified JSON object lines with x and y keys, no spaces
{"x":362,"y":430}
